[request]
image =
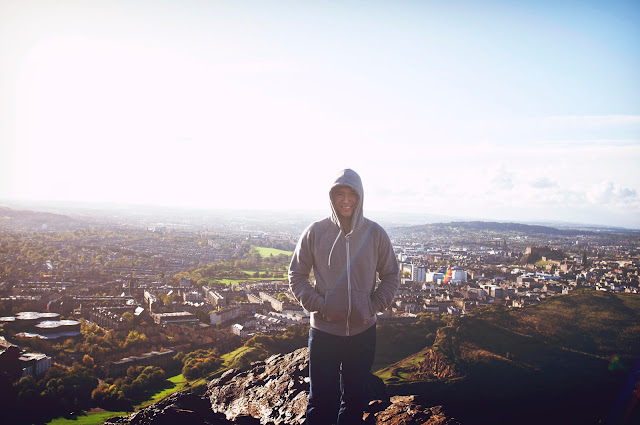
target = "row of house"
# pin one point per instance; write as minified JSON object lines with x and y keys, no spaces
{"x":153,"y":358}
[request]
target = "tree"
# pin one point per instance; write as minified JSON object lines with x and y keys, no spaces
{"x":128,"y":317}
{"x":200,"y":363}
{"x":134,"y":338}
{"x":87,"y":361}
{"x":202,"y":316}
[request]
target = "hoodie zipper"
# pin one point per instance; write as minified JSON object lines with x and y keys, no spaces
{"x":348,"y":283}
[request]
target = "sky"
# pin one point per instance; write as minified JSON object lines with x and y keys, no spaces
{"x":522,"y":111}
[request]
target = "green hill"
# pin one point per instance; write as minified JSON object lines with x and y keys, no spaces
{"x":571,"y":359}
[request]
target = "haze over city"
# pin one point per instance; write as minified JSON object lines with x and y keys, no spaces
{"x":497,"y":110}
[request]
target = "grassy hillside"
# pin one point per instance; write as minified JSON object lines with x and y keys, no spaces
{"x":595,"y":322}
{"x":398,"y":341}
{"x":570,"y":356}
{"x":267,"y":252}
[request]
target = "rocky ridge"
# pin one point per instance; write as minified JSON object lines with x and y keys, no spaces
{"x":274,"y":392}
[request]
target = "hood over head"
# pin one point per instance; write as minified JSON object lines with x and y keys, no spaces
{"x":350,"y":179}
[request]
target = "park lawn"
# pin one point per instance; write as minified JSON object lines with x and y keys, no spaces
{"x":178,"y":382}
{"x":267,"y":252}
{"x":228,"y":358}
{"x":93,"y":418}
{"x":231,"y":282}
{"x":251,"y":272}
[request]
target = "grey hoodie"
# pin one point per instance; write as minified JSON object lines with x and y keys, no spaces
{"x":346,"y":294}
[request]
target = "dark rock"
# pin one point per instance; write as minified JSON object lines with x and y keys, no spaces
{"x":183,"y":408}
{"x":406,"y":410}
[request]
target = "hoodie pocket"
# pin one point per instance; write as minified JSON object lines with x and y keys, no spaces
{"x":336,"y":305}
{"x":361,"y":307}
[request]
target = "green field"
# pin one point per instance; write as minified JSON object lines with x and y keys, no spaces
{"x":267,"y":252}
{"x":94,"y":418}
{"x":178,"y":382}
{"x":231,"y":282}
{"x":250,"y":278}
{"x":230,"y":357}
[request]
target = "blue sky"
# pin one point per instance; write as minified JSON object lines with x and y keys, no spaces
{"x":510,"y":111}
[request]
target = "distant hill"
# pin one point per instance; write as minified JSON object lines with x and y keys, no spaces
{"x":524,"y":229}
{"x":24,"y":220}
{"x":515,"y":227}
{"x":567,"y":360}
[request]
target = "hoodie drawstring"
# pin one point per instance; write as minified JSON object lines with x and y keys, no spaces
{"x":333,"y":246}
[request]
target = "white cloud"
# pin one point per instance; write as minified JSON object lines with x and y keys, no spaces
{"x":503,"y":179}
{"x":610,"y":193}
{"x":543,"y":183}
{"x":582,"y":121}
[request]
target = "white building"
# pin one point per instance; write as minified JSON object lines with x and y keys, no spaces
{"x":239,"y":330}
{"x":435,"y":277}
{"x":224,"y":315}
{"x":418,"y":273}
{"x":458,"y":275}
{"x":192,"y":296}
{"x":34,"y":364}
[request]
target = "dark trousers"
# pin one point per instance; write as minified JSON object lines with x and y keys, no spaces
{"x":338,"y":371}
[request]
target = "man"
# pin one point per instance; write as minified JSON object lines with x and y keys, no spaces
{"x":345,"y":252}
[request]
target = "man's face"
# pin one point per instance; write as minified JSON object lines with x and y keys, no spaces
{"x":344,"y":200}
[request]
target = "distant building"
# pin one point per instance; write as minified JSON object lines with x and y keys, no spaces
{"x":254,"y":299}
{"x":431,"y":308}
{"x":418,"y":273}
{"x":110,"y":318}
{"x":27,"y":320}
{"x":452,"y":311}
{"x":474,"y":293}
{"x":495,"y":291}
{"x":222,"y":316}
{"x":239,"y":330}
{"x":435,"y":277}
{"x":48,"y":327}
{"x":175,"y":318}
{"x":153,"y":358}
{"x":186,"y":283}
{"x":192,"y":296}
{"x":35,"y":364}
{"x":215,"y":298}
{"x":31,"y":324}
{"x":276,"y":304}
{"x":150,"y":299}
{"x":428,"y":286}
{"x":458,"y":275}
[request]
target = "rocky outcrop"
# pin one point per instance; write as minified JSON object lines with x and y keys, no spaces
{"x":274,"y":392}
{"x":436,"y":365}
{"x":405,"y":410}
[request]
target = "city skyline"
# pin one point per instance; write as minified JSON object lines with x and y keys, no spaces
{"x":522,"y":112}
